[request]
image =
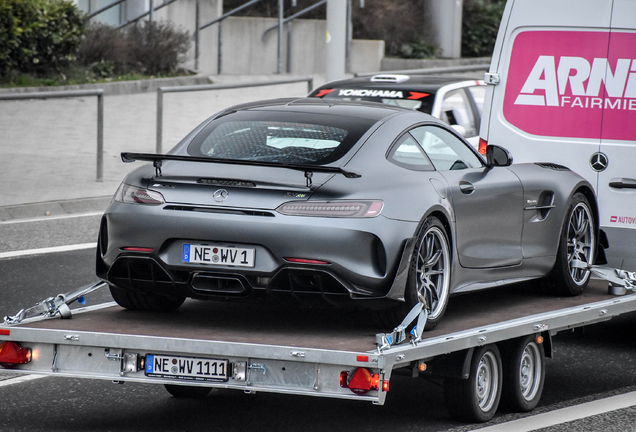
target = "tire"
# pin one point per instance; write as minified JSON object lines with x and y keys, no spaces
{"x":523,"y":375}
{"x":187,"y":392}
{"x":134,"y":300}
{"x":429,"y":277}
{"x":429,"y":273}
{"x":476,"y":399}
{"x":577,"y":241}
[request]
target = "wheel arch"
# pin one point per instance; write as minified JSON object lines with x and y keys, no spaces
{"x":398,"y":287}
{"x":588,"y":192}
{"x":601,"y":238}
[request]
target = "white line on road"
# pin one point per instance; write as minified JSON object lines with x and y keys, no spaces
{"x":19,"y":379}
{"x":54,"y":249}
{"x":49,"y":218}
{"x":565,"y":415}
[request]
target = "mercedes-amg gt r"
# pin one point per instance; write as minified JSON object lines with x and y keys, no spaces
{"x":345,"y":203}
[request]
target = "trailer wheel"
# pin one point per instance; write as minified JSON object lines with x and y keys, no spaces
{"x":577,"y":242}
{"x":476,"y":399}
{"x":187,"y":392}
{"x":144,"y":301}
{"x":523,"y":374}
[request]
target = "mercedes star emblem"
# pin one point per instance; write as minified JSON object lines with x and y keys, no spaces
{"x":599,"y":161}
{"x":220,"y":195}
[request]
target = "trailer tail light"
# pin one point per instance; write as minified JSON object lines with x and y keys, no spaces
{"x":362,"y":380}
{"x":482,"y":146}
{"x":11,"y":355}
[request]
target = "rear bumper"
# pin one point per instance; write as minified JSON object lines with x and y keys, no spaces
{"x":363,"y":254}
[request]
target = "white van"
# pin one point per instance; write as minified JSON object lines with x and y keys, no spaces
{"x":563,"y":77}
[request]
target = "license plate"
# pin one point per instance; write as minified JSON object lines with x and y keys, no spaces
{"x":218,"y":255}
{"x":186,"y":368}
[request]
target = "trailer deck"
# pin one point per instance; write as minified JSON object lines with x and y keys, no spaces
{"x":286,"y":349}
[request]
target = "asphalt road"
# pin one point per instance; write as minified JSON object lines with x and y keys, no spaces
{"x":589,"y":364}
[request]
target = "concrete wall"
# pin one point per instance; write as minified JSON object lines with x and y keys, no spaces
{"x":366,"y":55}
{"x":182,"y":14}
{"x":245,"y":50}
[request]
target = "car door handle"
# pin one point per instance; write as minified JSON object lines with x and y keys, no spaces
{"x":623,"y":185}
{"x":466,"y":187}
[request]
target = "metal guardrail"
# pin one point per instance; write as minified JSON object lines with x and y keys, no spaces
{"x":205,"y":87}
{"x":69,"y":94}
{"x":429,"y":71}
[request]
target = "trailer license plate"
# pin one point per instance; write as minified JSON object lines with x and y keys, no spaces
{"x":218,"y":255}
{"x":186,"y":368}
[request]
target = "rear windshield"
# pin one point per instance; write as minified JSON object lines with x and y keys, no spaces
{"x":403,"y":98}
{"x":279,"y":137}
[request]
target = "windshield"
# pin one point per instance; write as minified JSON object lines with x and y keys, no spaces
{"x":280,"y":137}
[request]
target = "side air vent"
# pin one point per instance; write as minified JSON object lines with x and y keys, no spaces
{"x":395,"y":79}
{"x":219,"y":210}
{"x":553,"y":166}
{"x":223,"y":182}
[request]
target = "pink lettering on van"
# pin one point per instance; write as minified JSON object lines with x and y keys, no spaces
{"x":568,"y":84}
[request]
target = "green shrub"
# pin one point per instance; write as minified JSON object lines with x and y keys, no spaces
{"x":146,"y":48}
{"x":480,"y":24}
{"x":418,"y":50}
{"x":38,"y":36}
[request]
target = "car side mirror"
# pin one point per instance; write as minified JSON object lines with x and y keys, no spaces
{"x":498,"y":156}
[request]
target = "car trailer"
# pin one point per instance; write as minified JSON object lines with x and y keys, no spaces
{"x":485,"y":355}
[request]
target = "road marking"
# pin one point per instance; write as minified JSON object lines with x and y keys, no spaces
{"x":47,"y":250}
{"x":565,"y":415}
{"x":49,"y":218}
{"x":20,"y":379}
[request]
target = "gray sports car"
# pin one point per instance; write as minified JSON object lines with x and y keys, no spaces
{"x":340,"y":203}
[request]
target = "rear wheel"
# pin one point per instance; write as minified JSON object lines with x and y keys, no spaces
{"x":188,"y":392}
{"x":429,"y":275}
{"x":428,"y":279}
{"x":476,"y":399}
{"x":523,"y":374}
{"x":577,"y":247}
{"x":144,"y":301}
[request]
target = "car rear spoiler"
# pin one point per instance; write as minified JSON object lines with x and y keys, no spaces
{"x":157,"y":161}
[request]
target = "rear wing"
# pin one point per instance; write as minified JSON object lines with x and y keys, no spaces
{"x":157,"y":161}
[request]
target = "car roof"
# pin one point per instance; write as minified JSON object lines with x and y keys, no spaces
{"x":426,"y":83}
{"x":360,"y":109}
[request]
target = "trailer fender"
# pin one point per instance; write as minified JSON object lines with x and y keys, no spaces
{"x":453,"y":365}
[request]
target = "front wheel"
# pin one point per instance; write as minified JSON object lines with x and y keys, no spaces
{"x":577,"y":247}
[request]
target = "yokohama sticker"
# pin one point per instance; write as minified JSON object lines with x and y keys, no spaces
{"x":564,"y":84}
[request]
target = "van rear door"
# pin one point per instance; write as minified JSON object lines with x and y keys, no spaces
{"x":617,"y":177}
{"x":540,"y":110}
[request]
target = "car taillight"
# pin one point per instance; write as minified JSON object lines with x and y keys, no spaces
{"x":11,"y":355}
{"x":336,"y":209}
{"x":482,"y":146}
{"x":137,"y":195}
{"x":362,"y":380}
{"x":305,"y":261}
